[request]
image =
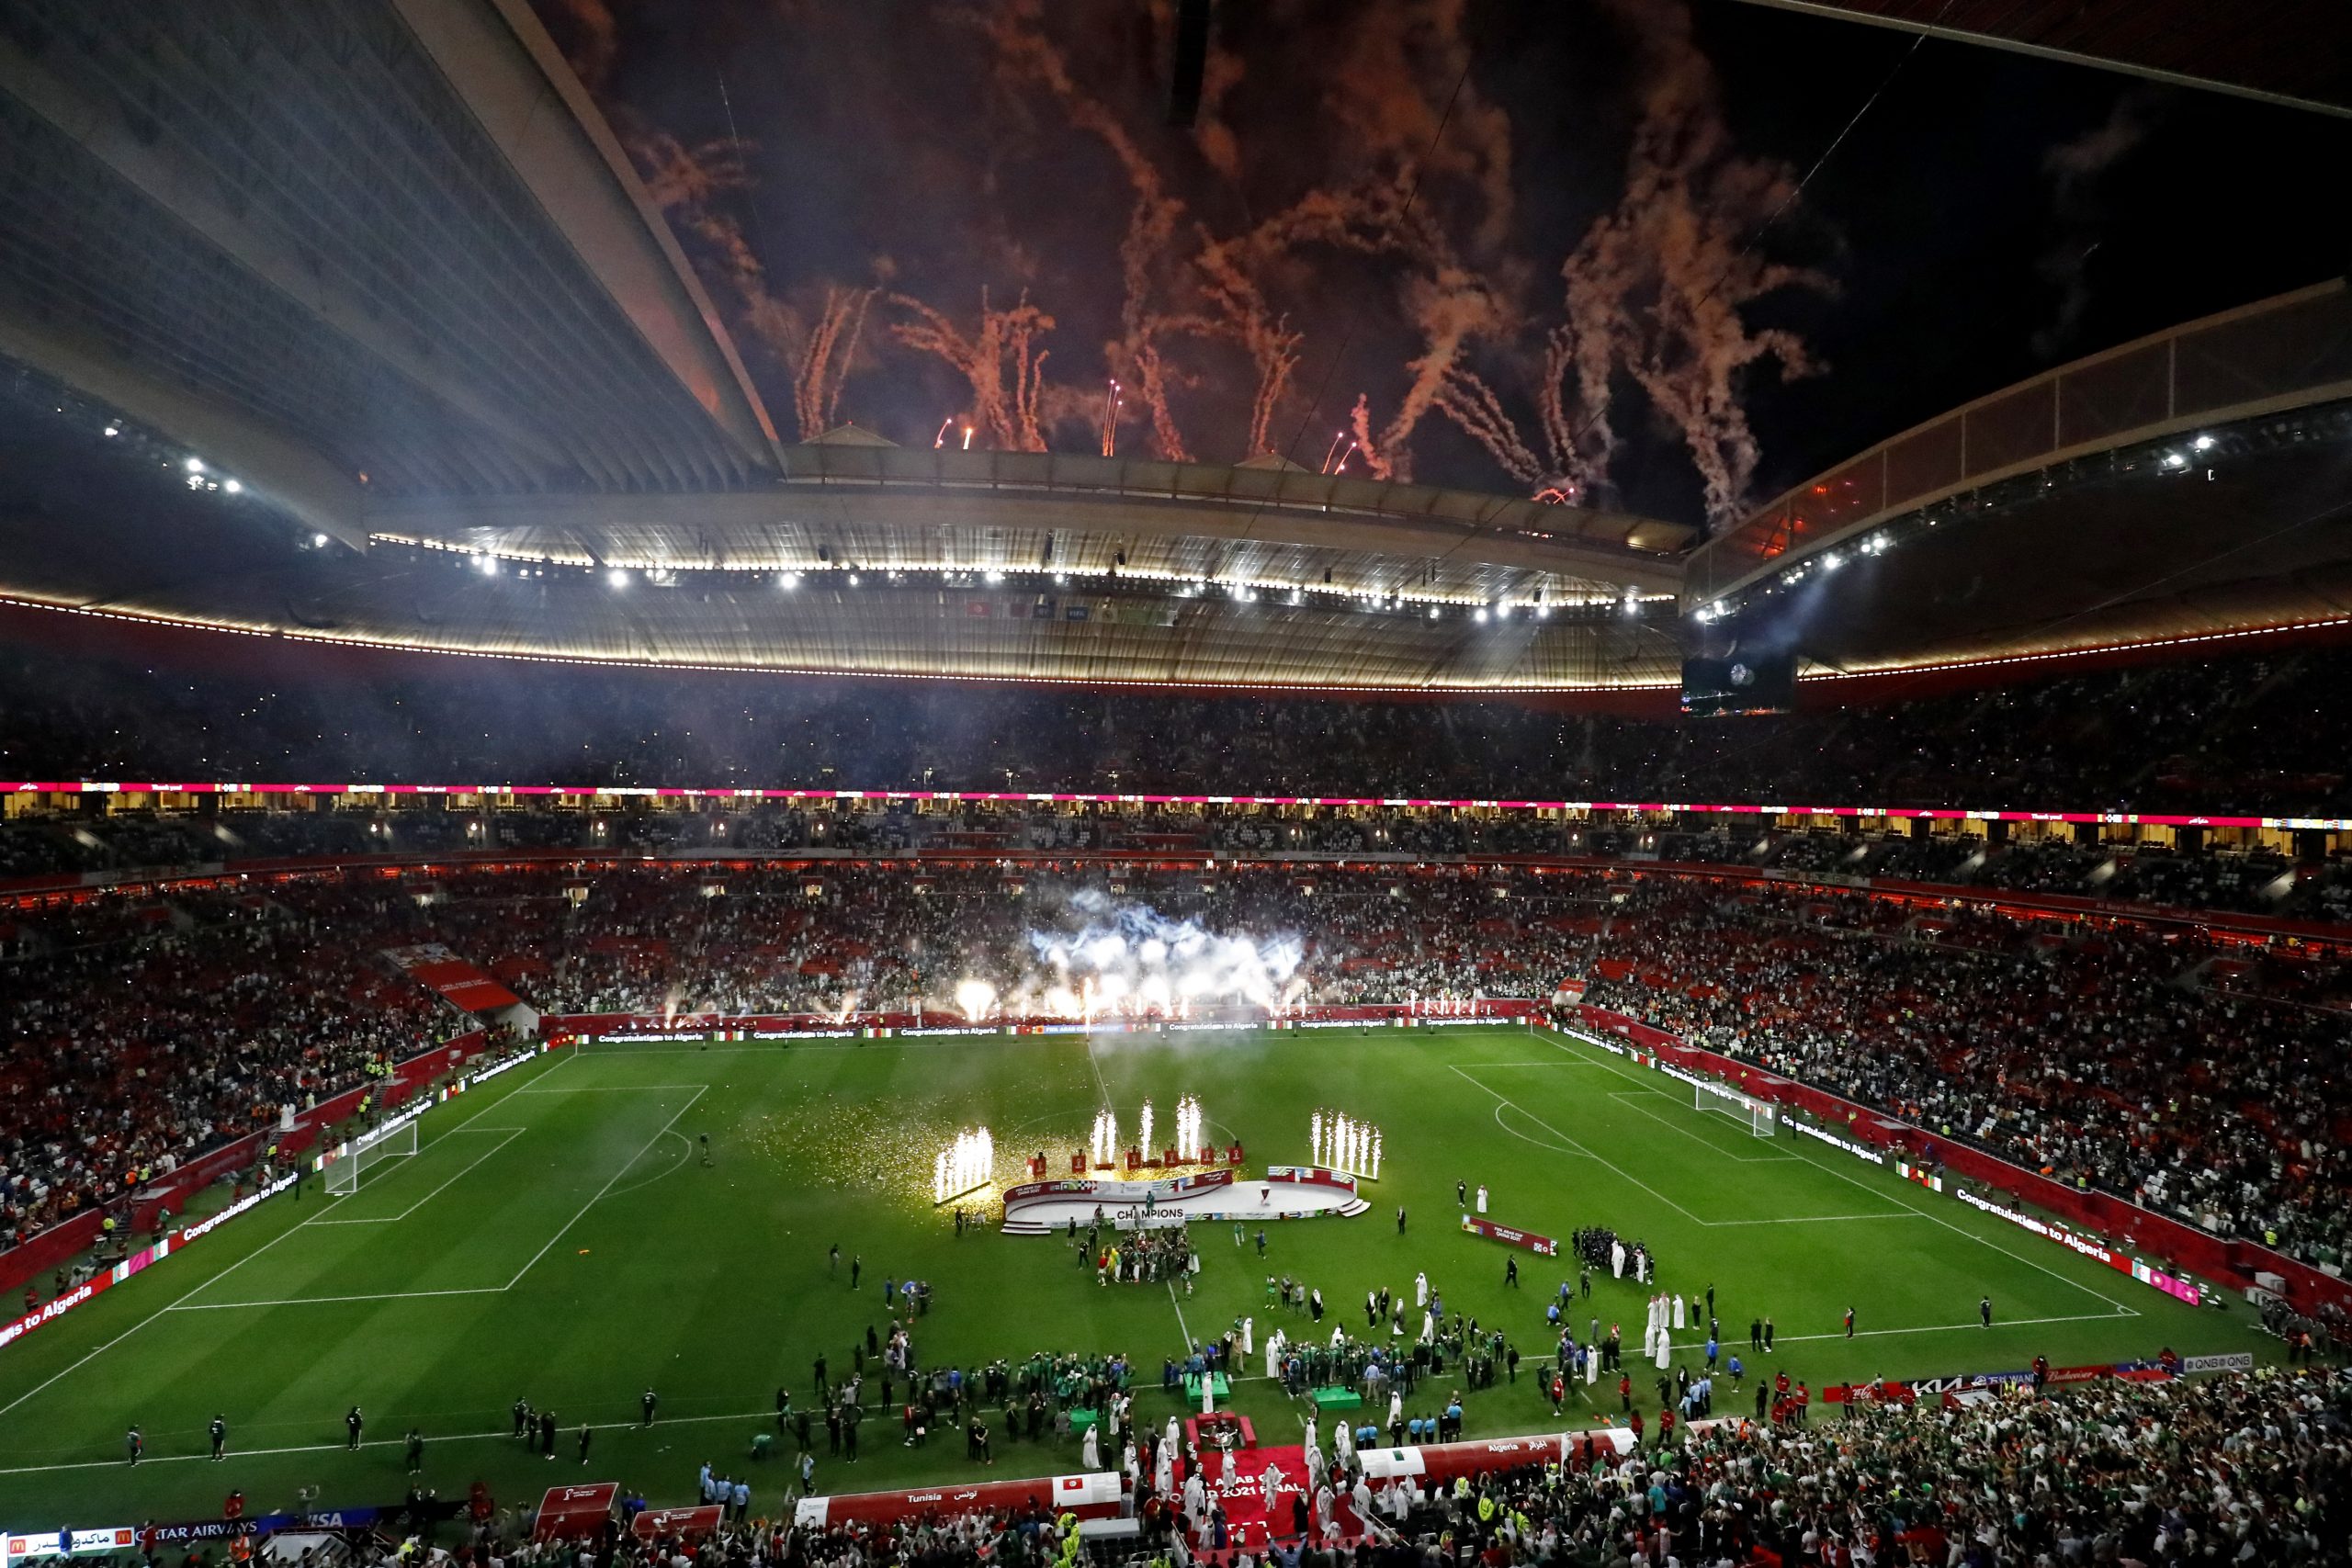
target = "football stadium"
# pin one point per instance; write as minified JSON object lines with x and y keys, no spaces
{"x":1175,"y":782}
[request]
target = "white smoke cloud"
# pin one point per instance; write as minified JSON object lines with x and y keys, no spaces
{"x":1118,"y":957}
{"x":1129,"y":957}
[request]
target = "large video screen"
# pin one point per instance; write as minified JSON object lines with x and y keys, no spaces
{"x":1760,"y":681}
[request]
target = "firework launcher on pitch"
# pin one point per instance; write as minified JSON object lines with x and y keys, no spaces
{"x":1342,"y":1143}
{"x":965,"y":1165}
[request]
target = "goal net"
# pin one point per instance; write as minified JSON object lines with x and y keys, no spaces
{"x":1758,"y":1113}
{"x":368,"y":1150}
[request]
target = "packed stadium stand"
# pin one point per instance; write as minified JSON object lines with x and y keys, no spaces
{"x":2258,"y":732}
{"x":2233,"y":1468}
{"x":426,"y":658}
{"x":2136,"y":1060}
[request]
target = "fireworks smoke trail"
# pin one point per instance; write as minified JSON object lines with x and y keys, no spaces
{"x":1108,"y":431}
{"x":1025,"y":54}
{"x":1406,"y":181}
{"x":1468,"y":401}
{"x":1005,"y":341}
{"x":1656,"y":286}
{"x":829,"y":354}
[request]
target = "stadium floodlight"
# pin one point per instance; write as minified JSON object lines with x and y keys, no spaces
{"x":232,"y":487}
{"x":2204,"y":443}
{"x":195,"y":464}
{"x":1433,"y":612}
{"x":113,"y":431}
{"x":486,"y":565}
{"x":1832,"y":561}
{"x":853,"y":580}
{"x":788,"y":581}
{"x":618,"y":577}
{"x":991,"y":576}
{"x":1479,"y":616}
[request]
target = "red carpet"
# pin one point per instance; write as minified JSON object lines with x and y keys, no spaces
{"x":1236,"y":1482}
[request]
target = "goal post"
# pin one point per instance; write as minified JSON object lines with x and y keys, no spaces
{"x":368,"y":1150}
{"x":1759,"y":1114}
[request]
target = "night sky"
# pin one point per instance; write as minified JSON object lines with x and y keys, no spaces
{"x":1440,"y":209}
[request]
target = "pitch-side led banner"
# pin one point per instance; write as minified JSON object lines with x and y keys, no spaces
{"x":1528,"y":1239}
{"x":2074,"y":1241}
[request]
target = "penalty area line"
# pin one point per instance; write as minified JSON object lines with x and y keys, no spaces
{"x":609,"y":1182}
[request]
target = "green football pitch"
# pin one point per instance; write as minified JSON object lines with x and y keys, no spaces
{"x":557,"y":1238}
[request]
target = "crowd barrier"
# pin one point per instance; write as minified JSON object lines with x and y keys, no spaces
{"x":2191,"y":1250}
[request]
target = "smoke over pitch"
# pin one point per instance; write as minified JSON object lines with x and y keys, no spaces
{"x":1117,"y":958}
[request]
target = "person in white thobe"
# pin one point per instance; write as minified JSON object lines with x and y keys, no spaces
{"x":1269,"y":1482}
{"x":1678,"y":1309}
{"x":1396,"y":1406}
{"x":1592,"y":1365}
{"x":1249,"y":1329}
{"x":1274,"y":1353}
{"x":1196,"y":1499}
{"x":1617,"y":1258}
{"x":1665,"y":1349}
{"x":1172,"y":1440}
{"x":1420,"y":1289}
{"x":1091,"y":1452}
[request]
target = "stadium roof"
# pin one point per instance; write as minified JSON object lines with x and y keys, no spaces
{"x":2187,"y":483}
{"x":2297,"y":52}
{"x":350,"y":249}
{"x":381,"y":274}
{"x":350,"y":320}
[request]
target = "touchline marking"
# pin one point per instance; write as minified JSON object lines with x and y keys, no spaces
{"x":607,"y":1187}
{"x":1827,"y":1168}
{"x":321,"y":1300}
{"x":612,"y":1089}
{"x":1948,"y":1327}
{"x":393,"y":1219}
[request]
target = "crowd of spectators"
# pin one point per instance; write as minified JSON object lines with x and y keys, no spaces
{"x":2108,"y":1058}
{"x":2262,"y":732}
{"x":2192,"y":1080}
{"x":134,"y":1037}
{"x":2235,"y":1468}
{"x":2184,"y":875}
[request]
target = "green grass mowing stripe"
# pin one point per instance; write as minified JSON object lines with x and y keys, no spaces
{"x":810,"y":1143}
{"x":512,"y":1133}
{"x":498,"y":1098}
